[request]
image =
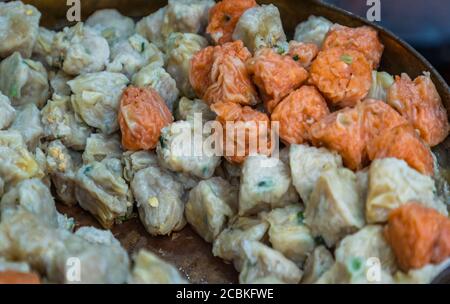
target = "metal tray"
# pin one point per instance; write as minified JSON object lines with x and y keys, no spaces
{"x":185,"y":249}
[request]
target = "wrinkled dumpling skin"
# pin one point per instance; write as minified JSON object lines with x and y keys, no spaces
{"x":259,"y":27}
{"x":96,"y":99}
{"x":60,"y":122}
{"x":288,"y":234}
{"x":28,"y":123}
{"x":100,"y":146}
{"x":265,"y":184}
{"x":307,"y":164}
{"x":228,"y":243}
{"x":334,"y":208}
{"x":33,"y":196}
{"x":48,"y":250}
{"x":186,"y":16}
{"x":130,"y":55}
{"x":424,"y":275}
{"x":298,"y":112}
{"x":150,"y":27}
{"x":134,"y":161}
{"x":393,"y":183}
{"x":219,"y":74}
{"x":62,"y":165}
{"x":418,"y":235}
{"x":404,"y":143}
{"x":381,"y":82}
{"x":19,"y":28}
{"x":356,"y":256}
{"x":275,"y":75}
{"x":209,"y":207}
{"x":16,"y":162}
{"x":156,"y":77}
{"x":42,"y":47}
{"x":419,"y":102}
{"x":58,"y":83}
{"x":79,"y":50}
{"x":246,"y":131}
{"x":349,"y":131}
{"x":142,"y":116}
{"x":303,"y":53}
{"x":181,"y":47}
{"x":103,"y":192}
{"x":159,"y":200}
{"x":24,"y":81}
{"x":313,"y":30}
{"x":343,"y":76}
{"x":111,"y":24}
{"x":7,"y":112}
{"x":369,"y":242}
{"x":223,"y":18}
{"x":317,"y":263}
{"x":363,"y":39}
{"x":188,"y":109}
{"x":262,"y":262}
{"x":175,"y":151}
{"x":150,"y":269}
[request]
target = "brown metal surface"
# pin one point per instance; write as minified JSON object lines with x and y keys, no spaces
{"x":185,"y":249}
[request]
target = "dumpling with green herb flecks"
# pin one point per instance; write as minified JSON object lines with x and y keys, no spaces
{"x":24,"y":81}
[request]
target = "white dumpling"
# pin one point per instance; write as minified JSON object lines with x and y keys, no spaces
{"x":288,"y":233}
{"x":111,"y":24}
{"x":150,"y":27}
{"x":33,"y":196}
{"x":19,"y":27}
{"x":96,"y":99}
{"x":43,"y":46}
{"x":16,"y":162}
{"x":62,"y":166}
{"x":150,"y":269}
{"x":265,"y":184}
{"x":228,"y":243}
{"x":424,"y":275}
{"x":7,"y":112}
{"x":100,"y":146}
{"x":159,"y":200}
{"x":209,"y":207}
{"x":103,"y":192}
{"x":58,"y":83}
{"x":176,"y":146}
{"x":79,"y":50}
{"x":130,"y":55}
{"x":186,"y":16}
{"x":28,"y":123}
{"x":133,"y":161}
{"x":381,"y":82}
{"x":180,"y":48}
{"x":393,"y":183}
{"x":367,"y":243}
{"x":260,"y":27}
{"x":317,"y":263}
{"x":313,"y":30}
{"x":307,"y":163}
{"x":49,"y":251}
{"x":155,"y":76}
{"x":187,"y":109}
{"x":261,"y":261}
{"x":60,"y":122}
{"x":335,"y":208}
{"x":24,"y":81}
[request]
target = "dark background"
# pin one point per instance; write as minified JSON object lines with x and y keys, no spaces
{"x":425,"y":24}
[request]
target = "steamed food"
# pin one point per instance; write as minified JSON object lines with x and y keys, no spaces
{"x":294,"y":157}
